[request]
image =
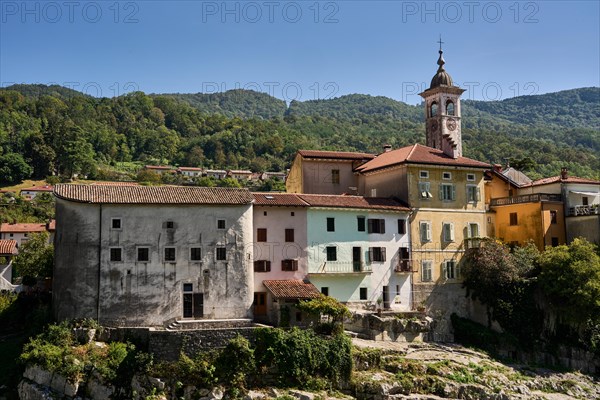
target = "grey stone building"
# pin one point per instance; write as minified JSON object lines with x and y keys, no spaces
{"x":144,"y":256}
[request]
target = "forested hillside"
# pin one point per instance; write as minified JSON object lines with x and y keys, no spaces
{"x":54,"y":129}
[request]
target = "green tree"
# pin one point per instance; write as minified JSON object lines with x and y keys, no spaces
{"x":570,"y":276}
{"x":229,"y":182}
{"x":13,"y":168}
{"x":36,"y":257}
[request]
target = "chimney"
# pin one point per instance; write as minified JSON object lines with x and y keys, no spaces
{"x":387,"y":148}
{"x":564,"y":173}
{"x":497,"y":167}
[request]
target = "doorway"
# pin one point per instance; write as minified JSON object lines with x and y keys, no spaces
{"x":260,"y":303}
{"x":386,"y":297}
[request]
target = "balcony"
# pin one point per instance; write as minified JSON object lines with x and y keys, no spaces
{"x":404,"y":266}
{"x":593,"y":209}
{"x":343,"y":267}
{"x":527,"y":198}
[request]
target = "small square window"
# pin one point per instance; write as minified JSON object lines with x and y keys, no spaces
{"x":265,"y":213}
{"x":292,"y":214}
{"x":261,"y":234}
{"x":221,"y":224}
{"x":221,"y":254}
{"x":363,"y":293}
{"x":188,"y":287}
{"x":424,"y":174}
{"x":262,"y":266}
{"x":289,"y":235}
{"x":471,"y":177}
{"x":361,"y":224}
{"x":402,"y":226}
{"x":116,"y":254}
{"x":330,"y":224}
{"x":195,"y":254}
{"x":170,"y":253}
{"x":513,"y":219}
{"x":289,"y":265}
{"x":553,"y":217}
{"x":335,"y":176}
{"x":143,"y":254}
{"x":170,"y":225}
{"x":325,"y":290}
{"x":331,"y":253}
{"x":447,"y":175}
{"x":115,"y":223}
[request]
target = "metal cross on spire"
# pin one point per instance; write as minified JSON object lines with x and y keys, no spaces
{"x":440,"y":42}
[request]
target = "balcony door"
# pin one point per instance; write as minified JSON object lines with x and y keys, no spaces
{"x":356,"y":259}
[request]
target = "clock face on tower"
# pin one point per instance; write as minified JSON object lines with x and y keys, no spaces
{"x":451,"y":124}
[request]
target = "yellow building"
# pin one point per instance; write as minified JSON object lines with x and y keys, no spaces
{"x":517,"y":217}
{"x":446,"y":198}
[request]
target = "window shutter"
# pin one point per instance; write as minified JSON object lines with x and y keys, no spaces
{"x":383,"y":258}
{"x":370,"y":225}
{"x":478,"y":194}
{"x":370,"y":254}
{"x":451,"y":232}
{"x":444,"y":270}
{"x":428,"y":231}
{"x":441,"y":192}
{"x":423,"y":232}
{"x":382,"y":226}
{"x":268,"y":266}
{"x":453,"y":192}
{"x":294,"y":265}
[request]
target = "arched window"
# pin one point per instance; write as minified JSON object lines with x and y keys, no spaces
{"x":449,"y":107}
{"x":434,"y":109}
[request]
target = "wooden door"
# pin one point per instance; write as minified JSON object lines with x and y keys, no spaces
{"x":198,"y":305}
{"x":260,"y":303}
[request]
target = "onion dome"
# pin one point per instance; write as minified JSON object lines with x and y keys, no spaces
{"x":441,"y":78}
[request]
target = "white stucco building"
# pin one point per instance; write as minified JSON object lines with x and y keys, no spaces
{"x":145,"y":256}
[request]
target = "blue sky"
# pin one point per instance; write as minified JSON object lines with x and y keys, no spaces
{"x":301,"y":49}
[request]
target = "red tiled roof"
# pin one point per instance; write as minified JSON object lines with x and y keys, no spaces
{"x":116,"y":183}
{"x":22,"y":228}
{"x":418,"y":154}
{"x":45,"y":188}
{"x":278,"y":199}
{"x":8,"y":247}
{"x":557,"y":179}
{"x":292,"y":289}
{"x":52,"y":225}
{"x":340,"y":155}
{"x":377,"y":203}
{"x":152,"y":194}
{"x":190,"y":169}
{"x":158,"y":167}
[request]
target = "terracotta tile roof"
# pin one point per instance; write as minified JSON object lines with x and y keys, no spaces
{"x":22,"y":228}
{"x":278,"y":199}
{"x":557,"y":179}
{"x":45,"y":188}
{"x":116,"y":183}
{"x":341,"y":201}
{"x":418,"y":154}
{"x":51,"y":226}
{"x":238,"y":171}
{"x":8,"y":247}
{"x":292,"y":289}
{"x":189,"y":169}
{"x":152,"y":194}
{"x":341,"y":155}
{"x":161,"y":167}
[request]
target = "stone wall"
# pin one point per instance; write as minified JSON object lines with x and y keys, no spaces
{"x":408,"y":327}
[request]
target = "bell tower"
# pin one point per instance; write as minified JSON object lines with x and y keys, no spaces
{"x":442,"y":112}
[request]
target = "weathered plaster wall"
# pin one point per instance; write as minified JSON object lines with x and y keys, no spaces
{"x":316,"y":177}
{"x":135,"y":293}
{"x":587,"y":226}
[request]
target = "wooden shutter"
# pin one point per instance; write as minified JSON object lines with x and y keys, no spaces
{"x":370,"y":254}
{"x":382,"y":226}
{"x":383,"y":257}
{"x":453,"y":192}
{"x":370,"y":226}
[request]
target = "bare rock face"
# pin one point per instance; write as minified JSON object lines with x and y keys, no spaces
{"x":32,"y":391}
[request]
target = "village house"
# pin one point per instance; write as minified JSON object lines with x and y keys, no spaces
{"x":148,"y":255}
{"x":280,"y":262}
{"x":325,"y":172}
{"x":21,"y":232}
{"x":242,"y":175}
{"x":190,"y":172}
{"x":8,"y":250}
{"x":32,"y":192}
{"x":215,"y":173}
{"x":581,"y":199}
{"x":358,"y":250}
{"x":160,"y":169}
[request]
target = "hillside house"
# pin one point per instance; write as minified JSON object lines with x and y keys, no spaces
{"x":21,"y":232}
{"x":32,"y":192}
{"x":190,"y":172}
{"x":146,"y":255}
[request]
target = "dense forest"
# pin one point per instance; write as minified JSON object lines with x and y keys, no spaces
{"x":52,"y":129}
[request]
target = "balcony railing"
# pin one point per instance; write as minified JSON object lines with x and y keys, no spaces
{"x":404,"y":266}
{"x":527,"y":198}
{"x":593,"y":209}
{"x":343,"y":267}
